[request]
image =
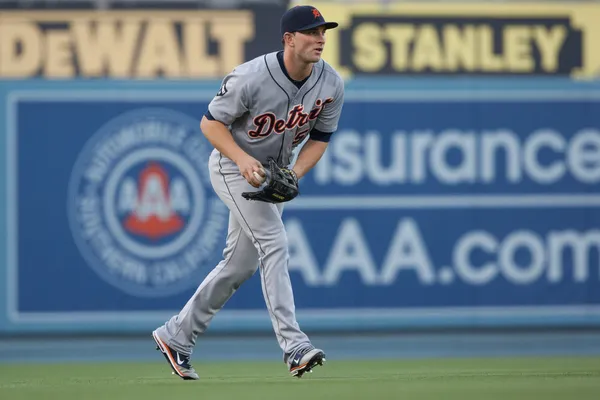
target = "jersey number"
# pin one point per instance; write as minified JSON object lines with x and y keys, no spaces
{"x":299,"y":137}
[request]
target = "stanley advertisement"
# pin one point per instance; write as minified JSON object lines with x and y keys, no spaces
{"x":133,"y":44}
{"x":465,"y":39}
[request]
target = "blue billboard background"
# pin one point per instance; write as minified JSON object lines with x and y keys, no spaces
{"x":453,"y":204}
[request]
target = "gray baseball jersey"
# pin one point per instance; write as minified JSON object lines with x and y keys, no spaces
{"x":268,"y":115}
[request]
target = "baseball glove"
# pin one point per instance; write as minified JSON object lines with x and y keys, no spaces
{"x":282,"y":185}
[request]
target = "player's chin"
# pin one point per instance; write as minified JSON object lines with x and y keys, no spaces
{"x":314,"y":57}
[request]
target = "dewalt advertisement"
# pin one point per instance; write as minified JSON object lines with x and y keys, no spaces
{"x":465,"y":39}
{"x":142,"y":44}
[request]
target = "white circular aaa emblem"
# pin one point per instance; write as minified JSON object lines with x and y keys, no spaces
{"x":141,"y":207}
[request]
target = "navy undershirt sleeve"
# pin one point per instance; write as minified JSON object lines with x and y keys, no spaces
{"x":319,"y":136}
{"x":209,"y":116}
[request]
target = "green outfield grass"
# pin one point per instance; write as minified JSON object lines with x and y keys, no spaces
{"x":447,"y":379}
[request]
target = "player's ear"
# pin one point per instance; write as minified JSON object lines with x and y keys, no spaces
{"x":288,"y":38}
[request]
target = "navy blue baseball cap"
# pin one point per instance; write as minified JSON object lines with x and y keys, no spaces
{"x":303,"y":18}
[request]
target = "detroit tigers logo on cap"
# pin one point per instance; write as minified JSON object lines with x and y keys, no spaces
{"x":142,"y":211}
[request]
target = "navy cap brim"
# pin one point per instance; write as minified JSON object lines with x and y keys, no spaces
{"x":327,"y":25}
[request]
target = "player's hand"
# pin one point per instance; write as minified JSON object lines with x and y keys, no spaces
{"x":248,"y":167}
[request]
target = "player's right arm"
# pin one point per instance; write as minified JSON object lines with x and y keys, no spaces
{"x":230,"y":103}
{"x":220,"y":137}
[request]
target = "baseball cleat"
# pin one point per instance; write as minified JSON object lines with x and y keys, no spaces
{"x":180,"y":363}
{"x":304,"y":360}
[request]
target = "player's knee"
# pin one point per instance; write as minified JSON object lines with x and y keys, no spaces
{"x":247,"y":272}
{"x":245,"y":268}
{"x":240,"y":273}
{"x":275,"y":241}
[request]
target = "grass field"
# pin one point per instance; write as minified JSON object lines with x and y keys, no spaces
{"x":448,"y":379}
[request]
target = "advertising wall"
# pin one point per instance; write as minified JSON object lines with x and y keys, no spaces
{"x":489,"y":39}
{"x":430,"y":208}
{"x":441,"y":201}
{"x":142,"y":44}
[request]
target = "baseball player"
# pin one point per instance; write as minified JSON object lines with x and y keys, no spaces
{"x":264,"y":109}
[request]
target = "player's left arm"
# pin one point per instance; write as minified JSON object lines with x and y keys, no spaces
{"x":309,"y":155}
{"x":327,"y":123}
